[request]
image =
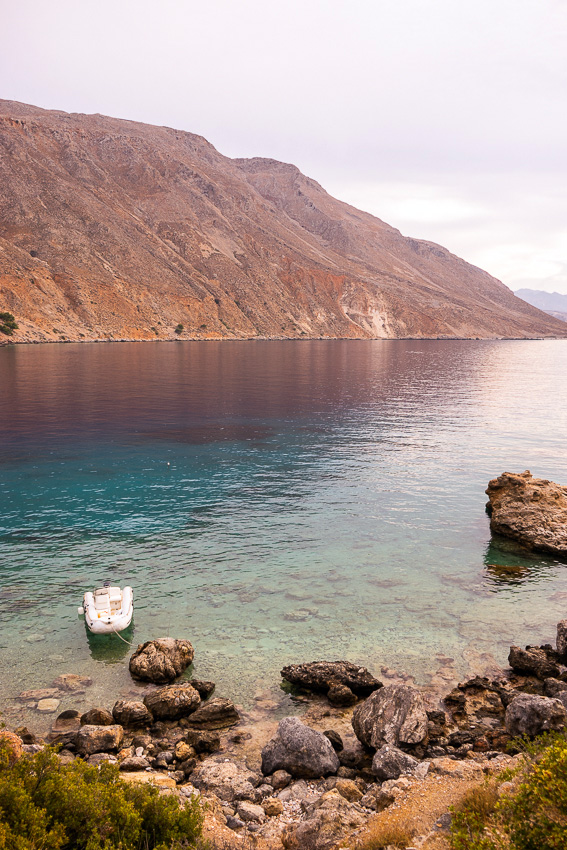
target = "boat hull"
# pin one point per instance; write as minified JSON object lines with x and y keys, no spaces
{"x":106,"y":623}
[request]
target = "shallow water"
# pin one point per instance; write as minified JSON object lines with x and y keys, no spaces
{"x":273,"y":502}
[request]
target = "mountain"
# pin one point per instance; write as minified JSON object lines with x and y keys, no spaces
{"x":552,"y":303}
{"x":112,"y":229}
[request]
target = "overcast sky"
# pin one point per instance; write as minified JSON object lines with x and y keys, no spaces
{"x":445,"y":118}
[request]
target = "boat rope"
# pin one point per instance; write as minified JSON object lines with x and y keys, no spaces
{"x":120,"y":636}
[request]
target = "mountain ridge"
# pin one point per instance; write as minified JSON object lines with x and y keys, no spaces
{"x":113,"y":229}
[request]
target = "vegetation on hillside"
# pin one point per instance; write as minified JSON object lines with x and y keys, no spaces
{"x":45,"y":805}
{"x":7,"y":324}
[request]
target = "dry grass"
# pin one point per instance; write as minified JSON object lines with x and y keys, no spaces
{"x":480,"y":800}
{"x":382,"y":835}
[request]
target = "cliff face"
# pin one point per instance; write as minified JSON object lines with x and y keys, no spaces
{"x":114,"y":229}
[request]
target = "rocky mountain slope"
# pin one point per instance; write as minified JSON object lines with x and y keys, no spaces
{"x":553,"y":303}
{"x":111,"y":229}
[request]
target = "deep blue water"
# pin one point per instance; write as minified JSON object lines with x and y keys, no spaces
{"x":273,"y":502}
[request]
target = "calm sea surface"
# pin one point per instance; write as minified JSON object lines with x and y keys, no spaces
{"x":273,"y":502}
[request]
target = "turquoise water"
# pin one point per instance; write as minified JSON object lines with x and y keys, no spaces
{"x":272,"y":502}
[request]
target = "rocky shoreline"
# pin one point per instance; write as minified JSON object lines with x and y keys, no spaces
{"x":307,"y":782}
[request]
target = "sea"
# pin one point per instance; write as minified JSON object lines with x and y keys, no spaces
{"x":273,"y":502}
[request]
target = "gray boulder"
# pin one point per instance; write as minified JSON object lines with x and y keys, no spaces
{"x":227,"y":780}
{"x":98,"y":739}
{"x":132,"y":763}
{"x":562,"y":640}
{"x":390,"y":763}
{"x":534,"y":661}
{"x":393,"y":715}
{"x":161,"y":660}
{"x":327,"y":820}
{"x":172,"y":701}
{"x":131,"y":713}
{"x":300,"y":751}
{"x":532,"y":715}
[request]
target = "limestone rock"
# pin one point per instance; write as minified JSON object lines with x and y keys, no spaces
{"x":97,"y":717}
{"x":533,"y":660}
{"x":134,"y":763}
{"x":299,"y":750}
{"x":390,"y":763}
{"x":332,"y":676}
{"x":48,"y":705}
{"x":98,"y":739}
{"x":326,"y":821}
{"x":67,"y":721}
{"x":250,"y":812}
{"x":532,"y":715}
{"x":205,"y":689}
{"x":72,"y":682}
{"x":272,"y":806}
{"x":280,"y":779}
{"x":161,"y":660}
{"x":377,"y":799}
{"x":562,"y":640}
{"x":131,"y":713}
{"x":393,"y":715}
{"x":226,"y":780}
{"x":348,"y":789}
{"x":532,"y":511}
{"x":172,"y":701}
{"x":217,"y":713}
{"x":203,"y":741}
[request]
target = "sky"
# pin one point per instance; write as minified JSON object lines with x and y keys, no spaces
{"x":445,"y":118}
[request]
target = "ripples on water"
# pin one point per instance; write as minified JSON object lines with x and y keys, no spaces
{"x":273,"y":502}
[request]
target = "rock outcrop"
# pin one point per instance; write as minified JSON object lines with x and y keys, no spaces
{"x":114,"y":229}
{"x":531,"y":510}
{"x":533,"y":715}
{"x":161,"y":660}
{"x":300,"y":751}
{"x":342,"y":681}
{"x":393,"y":715}
{"x":98,"y":739}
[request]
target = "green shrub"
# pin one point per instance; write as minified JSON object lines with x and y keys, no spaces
{"x":179,"y":328}
{"x":45,"y":805}
{"x":7,"y":324}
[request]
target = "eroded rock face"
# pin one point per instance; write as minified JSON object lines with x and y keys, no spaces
{"x":172,"y":701}
{"x":300,"y":751}
{"x":98,"y":739}
{"x":393,"y":715}
{"x":531,"y":510}
{"x":533,"y":715}
{"x":562,"y":640}
{"x":131,"y":713}
{"x":161,"y":660}
{"x":333,"y":677}
{"x":533,"y":660}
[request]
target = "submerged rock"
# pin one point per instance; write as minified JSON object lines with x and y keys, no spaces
{"x":299,"y":750}
{"x":531,"y":510}
{"x":393,"y":715}
{"x":332,"y":677}
{"x":161,"y":660}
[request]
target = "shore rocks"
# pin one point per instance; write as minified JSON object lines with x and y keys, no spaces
{"x":227,"y":780}
{"x":161,"y":660}
{"x":97,"y":717}
{"x":217,"y":713}
{"x":172,"y":701}
{"x":390,"y":762}
{"x":131,"y":713}
{"x":327,"y":820}
{"x":300,"y":751}
{"x":532,"y":715}
{"x":532,"y":511}
{"x":393,"y":715}
{"x":98,"y":739}
{"x":534,"y":661}
{"x":342,"y":681}
{"x":562,"y":640}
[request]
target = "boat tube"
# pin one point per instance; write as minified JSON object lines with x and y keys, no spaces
{"x":108,"y":609}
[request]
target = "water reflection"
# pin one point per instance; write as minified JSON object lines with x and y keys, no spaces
{"x":507,"y":564}
{"x":111,"y":649}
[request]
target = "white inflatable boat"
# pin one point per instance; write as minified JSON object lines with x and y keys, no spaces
{"x":108,"y":609}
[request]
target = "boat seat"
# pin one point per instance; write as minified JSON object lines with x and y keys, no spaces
{"x":115,"y":595}
{"x":101,"y":601}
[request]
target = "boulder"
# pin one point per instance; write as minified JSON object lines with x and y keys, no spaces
{"x":272,"y":806}
{"x":531,"y":510}
{"x":324,"y":675}
{"x":217,"y":713}
{"x":280,"y":779}
{"x":131,"y":713}
{"x":205,"y":689}
{"x":392,"y":715}
{"x":532,"y":715}
{"x":327,"y":821}
{"x":377,"y":799}
{"x":554,"y":687}
{"x":534,"y":661}
{"x":299,"y":750}
{"x":250,"y":812}
{"x":98,"y":739}
{"x":203,"y":741}
{"x":228,"y":781}
{"x":12,"y":743}
{"x":562,"y":640}
{"x":67,"y":721}
{"x":97,"y":717}
{"x":161,"y":660}
{"x":475,"y":700}
{"x":390,"y":763}
{"x":339,"y":694}
{"x":335,"y":739}
{"x":134,"y":763}
{"x":172,"y":701}
{"x":348,"y":789}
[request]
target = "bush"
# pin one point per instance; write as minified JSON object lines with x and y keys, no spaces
{"x":534,"y":817}
{"x":47,"y":805}
{"x":179,"y":328}
{"x":7,"y":324}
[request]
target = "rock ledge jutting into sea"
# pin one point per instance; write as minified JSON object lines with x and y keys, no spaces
{"x":531,"y":510}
